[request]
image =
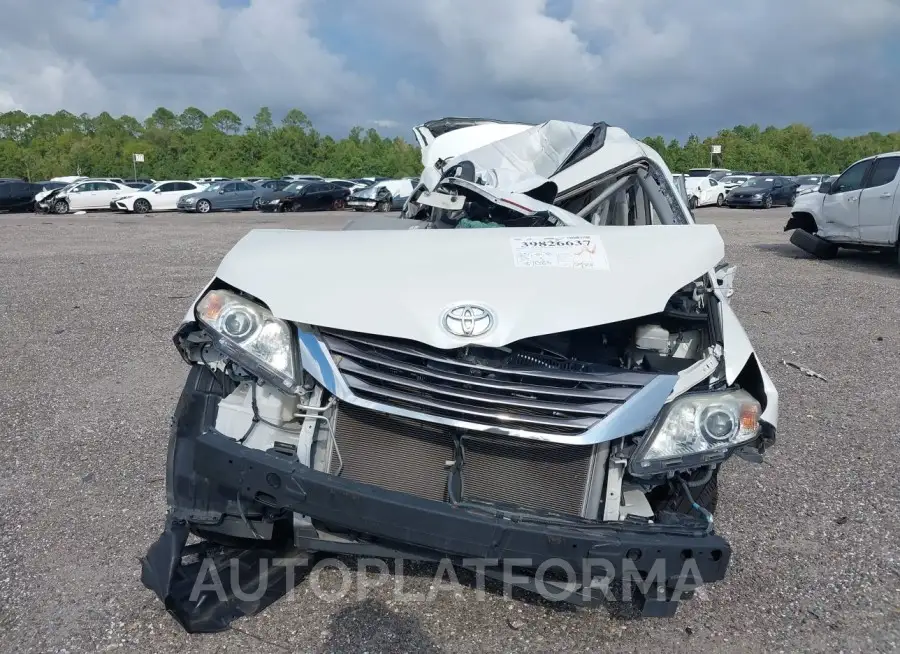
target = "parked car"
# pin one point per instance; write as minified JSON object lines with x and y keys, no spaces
{"x":386,"y":195}
{"x":809,"y":183}
{"x":704,"y":191}
{"x":860,"y":209}
{"x":81,"y":196}
{"x":161,"y":196}
{"x":222,"y":196}
{"x":272,"y":197}
{"x":582,"y":431}
{"x":714,"y":173}
{"x":17,"y":195}
{"x":763,"y":193}
{"x":210,"y":180}
{"x":309,"y":195}
{"x":69,"y":179}
{"x":733,"y":181}
{"x":303,"y":178}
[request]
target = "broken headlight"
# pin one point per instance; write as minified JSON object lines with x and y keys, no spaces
{"x":250,"y":335}
{"x":695,"y":430}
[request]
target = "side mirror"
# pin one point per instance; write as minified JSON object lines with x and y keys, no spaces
{"x":156,"y":190}
{"x":221,"y":191}
{"x":825,"y":187}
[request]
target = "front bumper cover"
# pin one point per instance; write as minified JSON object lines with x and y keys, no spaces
{"x":678,"y":552}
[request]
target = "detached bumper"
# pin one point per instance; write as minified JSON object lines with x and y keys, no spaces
{"x":668,"y":559}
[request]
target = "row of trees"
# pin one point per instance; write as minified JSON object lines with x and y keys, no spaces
{"x":193,"y":143}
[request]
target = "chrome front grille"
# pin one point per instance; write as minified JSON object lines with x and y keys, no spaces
{"x":530,"y":398}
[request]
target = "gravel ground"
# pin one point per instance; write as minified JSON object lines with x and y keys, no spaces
{"x":89,"y":379}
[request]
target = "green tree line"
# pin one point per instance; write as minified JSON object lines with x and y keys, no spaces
{"x":792,"y":150}
{"x":194,"y":144}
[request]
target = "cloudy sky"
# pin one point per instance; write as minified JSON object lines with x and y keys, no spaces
{"x":668,"y":67}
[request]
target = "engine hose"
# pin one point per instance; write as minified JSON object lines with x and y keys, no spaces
{"x":706,"y":514}
{"x":705,"y":479}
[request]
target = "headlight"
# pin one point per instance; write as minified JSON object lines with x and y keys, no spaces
{"x":251,"y":335}
{"x":188,"y":200}
{"x":697,"y":429}
{"x":274,"y":201}
{"x":757,"y":196}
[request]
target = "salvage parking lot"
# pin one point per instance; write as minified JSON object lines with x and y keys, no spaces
{"x":89,"y":379}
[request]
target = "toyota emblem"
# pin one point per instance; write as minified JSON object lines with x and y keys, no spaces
{"x":468,"y":320}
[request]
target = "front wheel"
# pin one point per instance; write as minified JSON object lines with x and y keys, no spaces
{"x":692,"y":203}
{"x":203,"y":206}
{"x":384,"y":206}
{"x":338,"y":204}
{"x":60,"y":206}
{"x":791,"y":200}
{"x":255,"y":204}
{"x":720,"y":201}
{"x":767,"y":203}
{"x":141,"y":206}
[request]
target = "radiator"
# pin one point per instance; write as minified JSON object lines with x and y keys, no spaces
{"x":411,"y":457}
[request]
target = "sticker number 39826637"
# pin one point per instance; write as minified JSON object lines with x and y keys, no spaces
{"x":559,"y":252}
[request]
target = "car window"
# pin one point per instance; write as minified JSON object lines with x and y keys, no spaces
{"x":713,"y":182}
{"x":315,"y":188}
{"x":82,"y":188}
{"x":105,"y":186}
{"x":884,"y":172}
{"x":852,"y":178}
{"x":245,"y":186}
{"x":168,"y":187}
{"x":229,"y":188}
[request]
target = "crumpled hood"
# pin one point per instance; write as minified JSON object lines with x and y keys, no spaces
{"x":400,"y":283}
{"x":367,"y":193}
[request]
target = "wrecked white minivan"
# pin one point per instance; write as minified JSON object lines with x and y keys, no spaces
{"x":536,"y":369}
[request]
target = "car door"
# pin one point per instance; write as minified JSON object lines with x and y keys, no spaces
{"x":228,"y":197}
{"x":165,"y":196}
{"x":878,"y":202}
{"x":80,"y":196}
{"x":245,"y":192}
{"x":103,"y":194}
{"x":778,"y":191}
{"x":840,"y":207}
{"x":311,"y":197}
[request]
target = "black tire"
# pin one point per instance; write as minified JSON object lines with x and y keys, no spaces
{"x":384,"y":206}
{"x":720,"y":201}
{"x":141,"y":206}
{"x":791,"y":200}
{"x":692,"y":203}
{"x":767,"y":202}
{"x":256,"y":204}
{"x":706,"y":496}
{"x":203,"y":206}
{"x":811,"y":243}
{"x":186,"y":491}
{"x":60,"y":207}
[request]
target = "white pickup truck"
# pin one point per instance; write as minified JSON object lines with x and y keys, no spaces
{"x":860,"y":209}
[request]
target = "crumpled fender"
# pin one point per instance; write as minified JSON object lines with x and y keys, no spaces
{"x":739,"y":354}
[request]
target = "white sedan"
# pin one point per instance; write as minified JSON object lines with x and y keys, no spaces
{"x":704,"y":191}
{"x":161,"y":196}
{"x":82,"y":196}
